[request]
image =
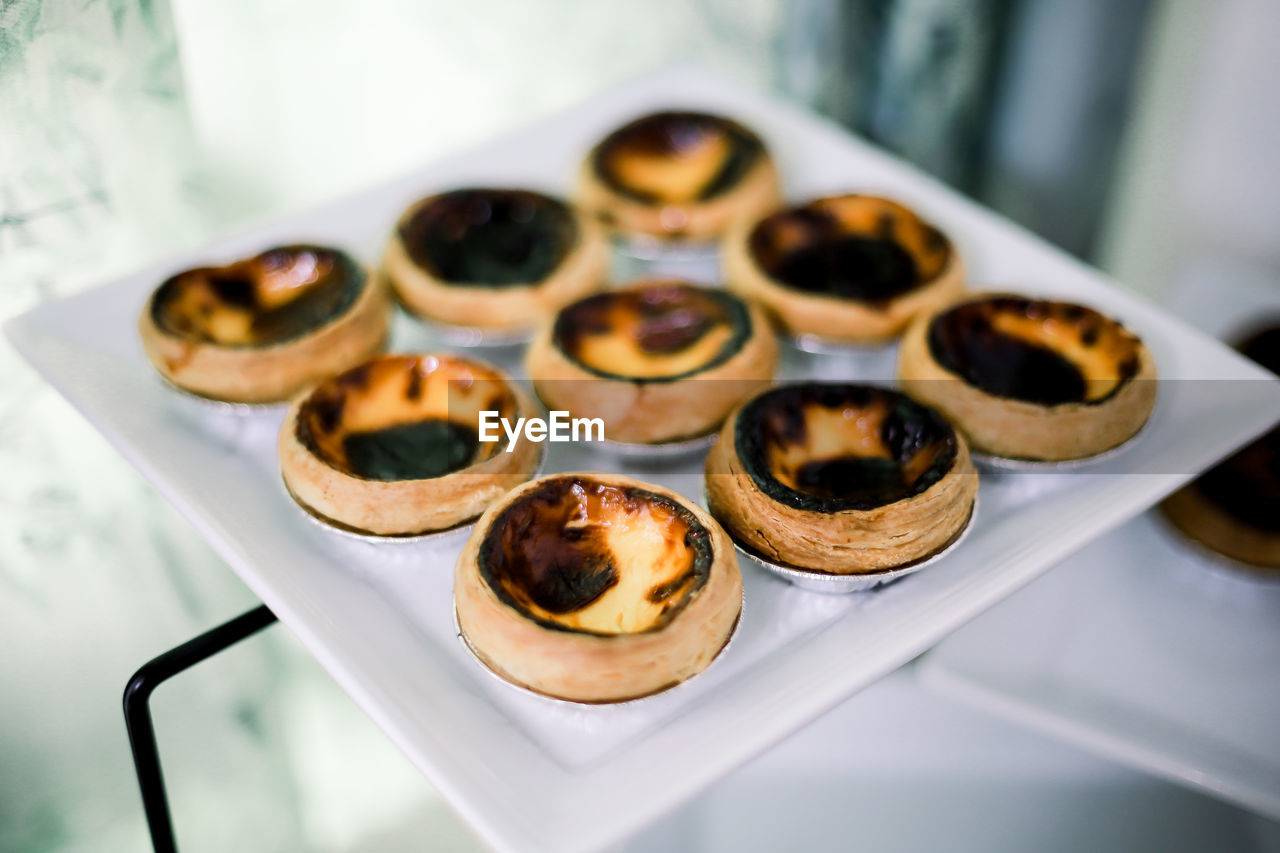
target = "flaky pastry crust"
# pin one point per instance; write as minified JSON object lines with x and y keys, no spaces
{"x":591,"y":667}
{"x":422,"y":292}
{"x":272,"y":372}
{"x":849,"y":541}
{"x":400,"y":507}
{"x":1019,"y":429}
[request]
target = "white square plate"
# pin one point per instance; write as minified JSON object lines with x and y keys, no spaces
{"x":1143,"y":650}
{"x":529,"y":775}
{"x":1141,"y":647}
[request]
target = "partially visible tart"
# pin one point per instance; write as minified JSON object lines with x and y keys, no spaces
{"x":1234,"y":508}
{"x":260,"y":329}
{"x":678,"y":176}
{"x":494,"y":259}
{"x":392,"y":447}
{"x":596,"y":587}
{"x":1030,"y":379}
{"x":659,"y":361}
{"x":849,"y":268}
{"x":841,"y":478}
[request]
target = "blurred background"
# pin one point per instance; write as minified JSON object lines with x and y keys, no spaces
{"x":1137,"y":134}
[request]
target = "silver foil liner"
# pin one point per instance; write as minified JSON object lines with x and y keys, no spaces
{"x":818,"y":345}
{"x":839,"y":584}
{"x":654,"y":249}
{"x":458,"y":532}
{"x":474,"y":336}
{"x":671,"y":450}
{"x":998,"y":464}
{"x":209,"y":405}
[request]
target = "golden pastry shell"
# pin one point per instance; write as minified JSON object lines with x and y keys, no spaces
{"x":845,"y":320}
{"x":273,"y":372}
{"x":1019,"y":429}
{"x":655,"y":411}
{"x":408,"y":506}
{"x":423,"y":293}
{"x":592,"y":668}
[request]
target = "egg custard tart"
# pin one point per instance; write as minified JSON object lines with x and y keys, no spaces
{"x":1030,"y":379}
{"x":661,"y":361}
{"x":493,"y":259}
{"x":841,"y":479}
{"x":847,"y":269}
{"x":260,"y":329}
{"x":678,"y":176}
{"x":1234,"y":508}
{"x":596,"y":587}
{"x":392,"y":447}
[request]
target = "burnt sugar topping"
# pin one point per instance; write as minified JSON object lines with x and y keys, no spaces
{"x":676,"y":157}
{"x":490,"y":237}
{"x":845,"y":269}
{"x":260,"y":329}
{"x":678,"y":176}
{"x":271,"y":298}
{"x":403,"y":417}
{"x":661,"y":362}
{"x":850,"y":247}
{"x":578,"y":554}
{"x":392,"y":446}
{"x":1263,"y":347}
{"x":496,"y":262}
{"x":840,"y":479}
{"x":829,"y":448}
{"x":661,"y":331}
{"x":1247,"y":484}
{"x":1038,"y":351}
{"x":1031,"y":381}
{"x":1233,"y":508}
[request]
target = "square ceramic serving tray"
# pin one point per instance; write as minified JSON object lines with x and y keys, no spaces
{"x":1144,"y":649}
{"x":532,"y":775}
{"x":1142,"y":646}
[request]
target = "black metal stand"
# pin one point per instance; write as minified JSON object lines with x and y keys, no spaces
{"x":137,"y":714}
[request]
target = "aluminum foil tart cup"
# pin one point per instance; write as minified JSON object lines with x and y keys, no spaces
{"x":818,"y":345}
{"x":838,"y":584}
{"x":208,"y":405}
{"x":474,"y":336}
{"x":644,"y":248}
{"x":671,"y":450}
{"x":458,"y":533}
{"x":998,"y":464}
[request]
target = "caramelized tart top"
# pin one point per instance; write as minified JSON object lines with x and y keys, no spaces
{"x":1035,"y":350}
{"x":489,"y":237}
{"x":1247,"y":484}
{"x":676,"y":157}
{"x":404,"y":417}
{"x":271,"y":298}
{"x":853,"y":247}
{"x":578,"y":554}
{"x":657,"y":331}
{"x":828,"y":448}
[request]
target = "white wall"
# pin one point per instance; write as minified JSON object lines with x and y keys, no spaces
{"x":1198,"y":189}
